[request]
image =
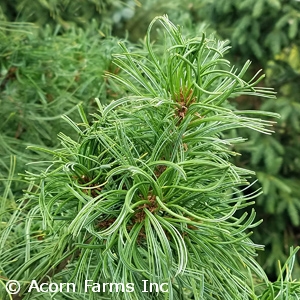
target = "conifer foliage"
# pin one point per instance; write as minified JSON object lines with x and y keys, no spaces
{"x":267,"y":32}
{"x":44,"y":74}
{"x":65,"y":13}
{"x":147,"y":191}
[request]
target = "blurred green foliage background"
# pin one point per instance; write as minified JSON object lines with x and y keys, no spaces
{"x":54,"y":54}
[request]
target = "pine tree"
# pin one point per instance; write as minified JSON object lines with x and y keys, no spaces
{"x":148,"y":191}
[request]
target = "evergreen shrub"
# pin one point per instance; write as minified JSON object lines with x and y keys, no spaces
{"x":148,"y":191}
{"x":267,"y":32}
